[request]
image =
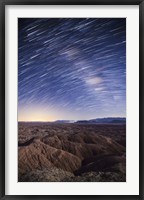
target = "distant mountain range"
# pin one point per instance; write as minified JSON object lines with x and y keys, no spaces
{"x":64,"y":121}
{"x":108,"y":120}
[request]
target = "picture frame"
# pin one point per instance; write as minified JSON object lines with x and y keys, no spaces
{"x":3,"y":97}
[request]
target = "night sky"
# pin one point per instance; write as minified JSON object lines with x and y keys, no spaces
{"x":71,"y":68}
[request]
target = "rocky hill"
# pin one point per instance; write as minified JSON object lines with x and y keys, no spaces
{"x":71,"y":152}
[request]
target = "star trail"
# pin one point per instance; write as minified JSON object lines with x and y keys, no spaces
{"x":71,"y":68}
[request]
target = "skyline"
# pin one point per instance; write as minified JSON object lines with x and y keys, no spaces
{"x":71,"y":69}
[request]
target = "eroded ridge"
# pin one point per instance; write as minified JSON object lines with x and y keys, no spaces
{"x":71,"y":152}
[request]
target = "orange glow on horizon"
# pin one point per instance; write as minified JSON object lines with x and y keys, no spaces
{"x":35,"y":116}
{"x":40,"y":114}
{"x":36,"y":119}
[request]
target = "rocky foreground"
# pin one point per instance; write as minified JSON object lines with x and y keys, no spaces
{"x":71,"y":152}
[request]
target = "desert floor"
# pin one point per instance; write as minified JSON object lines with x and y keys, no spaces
{"x":52,"y":152}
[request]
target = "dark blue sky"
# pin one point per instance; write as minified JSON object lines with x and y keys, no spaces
{"x":71,"y":68}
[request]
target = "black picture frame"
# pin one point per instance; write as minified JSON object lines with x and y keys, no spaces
{"x":3,"y":3}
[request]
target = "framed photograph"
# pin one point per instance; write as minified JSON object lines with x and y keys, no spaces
{"x":71,"y":99}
